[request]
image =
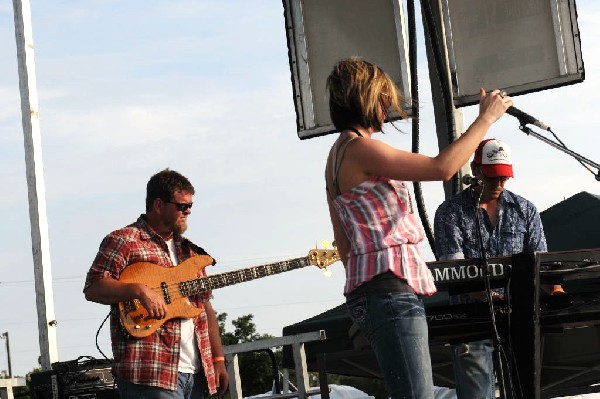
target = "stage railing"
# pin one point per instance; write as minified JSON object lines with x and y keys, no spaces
{"x":7,"y":384}
{"x":297,"y":343}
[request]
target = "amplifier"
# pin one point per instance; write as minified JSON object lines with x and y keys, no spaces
{"x":94,"y":394}
{"x":87,"y":379}
{"x":75,"y":379}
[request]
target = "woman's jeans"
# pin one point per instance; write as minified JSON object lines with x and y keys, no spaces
{"x":189,"y":386}
{"x":395,"y":325}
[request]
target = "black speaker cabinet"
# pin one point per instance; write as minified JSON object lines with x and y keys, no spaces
{"x":75,"y":380}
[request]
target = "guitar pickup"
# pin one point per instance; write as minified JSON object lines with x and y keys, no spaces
{"x":130,"y":306}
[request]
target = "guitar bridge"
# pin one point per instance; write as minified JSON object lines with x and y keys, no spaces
{"x":165,"y":290}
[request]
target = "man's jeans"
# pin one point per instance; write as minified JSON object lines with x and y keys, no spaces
{"x":395,"y":325}
{"x":473,"y":362}
{"x":189,"y":386}
{"x":474,"y":369}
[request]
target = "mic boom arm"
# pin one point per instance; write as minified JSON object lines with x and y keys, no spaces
{"x":587,"y":163}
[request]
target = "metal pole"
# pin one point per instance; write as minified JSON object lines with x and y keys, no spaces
{"x":35,"y":183}
{"x":5,"y":336}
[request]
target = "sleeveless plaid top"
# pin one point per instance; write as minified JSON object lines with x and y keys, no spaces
{"x":383,"y":232}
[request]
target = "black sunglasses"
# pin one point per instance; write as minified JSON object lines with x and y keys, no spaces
{"x":181,"y":207}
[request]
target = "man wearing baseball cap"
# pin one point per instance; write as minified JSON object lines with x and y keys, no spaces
{"x":510,"y":224}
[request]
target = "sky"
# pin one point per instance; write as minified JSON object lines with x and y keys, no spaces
{"x":127,"y":89}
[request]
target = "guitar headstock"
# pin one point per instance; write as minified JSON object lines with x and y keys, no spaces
{"x":323,"y":257}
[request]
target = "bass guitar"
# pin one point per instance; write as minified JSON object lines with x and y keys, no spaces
{"x":177,"y":283}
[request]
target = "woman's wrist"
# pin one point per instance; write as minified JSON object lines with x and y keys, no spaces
{"x":486,"y":119}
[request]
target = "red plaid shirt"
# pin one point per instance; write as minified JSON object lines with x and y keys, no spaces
{"x":151,"y":360}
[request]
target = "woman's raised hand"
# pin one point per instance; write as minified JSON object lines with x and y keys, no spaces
{"x":493,"y":105}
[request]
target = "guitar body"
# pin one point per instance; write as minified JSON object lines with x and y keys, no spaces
{"x":134,"y":317}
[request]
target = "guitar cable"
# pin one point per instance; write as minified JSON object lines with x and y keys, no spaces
{"x":98,"y":333}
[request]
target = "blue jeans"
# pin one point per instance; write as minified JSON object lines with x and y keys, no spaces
{"x":474,"y":370}
{"x":395,"y":325}
{"x":189,"y":386}
{"x":473,"y":363}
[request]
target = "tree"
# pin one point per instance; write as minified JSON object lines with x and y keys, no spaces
{"x":256,"y":368}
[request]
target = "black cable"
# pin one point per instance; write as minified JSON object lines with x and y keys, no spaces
{"x":274,"y":370}
{"x":91,"y":361}
{"x":513,"y":359}
{"x":564,"y":146}
{"x":82,"y":367}
{"x":484,"y":265}
{"x":558,"y":144}
{"x":414,"y":89}
{"x":440,"y":69}
{"x":98,"y":333}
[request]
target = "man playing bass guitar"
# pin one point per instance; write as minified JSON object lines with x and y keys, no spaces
{"x":173,"y":361}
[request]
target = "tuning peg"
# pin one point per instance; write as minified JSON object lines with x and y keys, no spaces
{"x":327,"y":272}
{"x":325,"y":244}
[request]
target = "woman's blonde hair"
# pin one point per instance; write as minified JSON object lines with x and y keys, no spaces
{"x":358,"y":92}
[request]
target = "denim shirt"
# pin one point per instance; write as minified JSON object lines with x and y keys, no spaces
{"x":518,"y":228}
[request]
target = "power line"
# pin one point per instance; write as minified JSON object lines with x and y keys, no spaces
{"x":283,"y":304}
{"x":224,"y":266}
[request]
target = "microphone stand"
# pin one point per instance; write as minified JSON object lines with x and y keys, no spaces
{"x":484,"y":266}
{"x":582,"y":160}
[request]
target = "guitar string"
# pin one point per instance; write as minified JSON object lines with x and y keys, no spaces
{"x":174,"y":287}
{"x":300,"y":262}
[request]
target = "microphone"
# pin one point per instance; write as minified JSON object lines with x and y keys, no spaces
{"x":525,"y":119}
{"x":470,"y":180}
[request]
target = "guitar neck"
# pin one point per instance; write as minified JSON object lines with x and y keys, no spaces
{"x":203,"y":284}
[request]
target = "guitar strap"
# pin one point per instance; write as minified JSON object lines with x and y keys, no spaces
{"x":199,"y":250}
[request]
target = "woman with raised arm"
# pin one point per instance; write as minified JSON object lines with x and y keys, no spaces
{"x":374,"y":226}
